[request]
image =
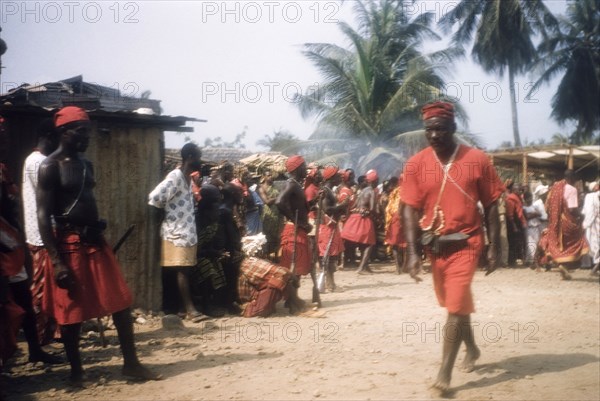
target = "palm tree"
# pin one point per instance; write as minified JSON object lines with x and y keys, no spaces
{"x":503,"y":37}
{"x":372,"y":91}
{"x":575,"y":52}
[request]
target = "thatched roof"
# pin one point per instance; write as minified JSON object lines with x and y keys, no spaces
{"x":261,"y":162}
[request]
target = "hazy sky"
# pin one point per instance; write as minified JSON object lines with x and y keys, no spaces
{"x":236,"y":64}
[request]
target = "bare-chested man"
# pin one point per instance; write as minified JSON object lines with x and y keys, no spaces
{"x":330,"y":241}
{"x":84,"y":277}
{"x":292,"y":205}
{"x":360,"y":227}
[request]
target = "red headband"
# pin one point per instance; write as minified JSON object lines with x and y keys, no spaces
{"x":438,"y":109}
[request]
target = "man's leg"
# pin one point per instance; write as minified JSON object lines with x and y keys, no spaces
{"x":22,"y":296}
{"x":364,"y":263}
{"x":131,"y":364}
{"x":185,"y":296}
{"x":397,"y":259}
{"x":452,"y":339}
{"x":473,"y":352}
{"x":70,"y":337}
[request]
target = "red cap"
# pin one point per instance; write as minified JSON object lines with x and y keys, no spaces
{"x":329,"y":172}
{"x":293,"y":162}
{"x":438,"y":109}
{"x":70,"y":114}
{"x":371,"y":176}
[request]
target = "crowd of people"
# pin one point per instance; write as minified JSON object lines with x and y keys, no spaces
{"x":57,"y":270}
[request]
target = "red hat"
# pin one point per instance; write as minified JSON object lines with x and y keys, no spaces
{"x":438,"y":109}
{"x":329,"y":172}
{"x":70,"y":114}
{"x":293,"y":162}
{"x":371,"y":176}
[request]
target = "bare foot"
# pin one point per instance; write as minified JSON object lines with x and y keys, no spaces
{"x":365,"y":271}
{"x":296,"y":306}
{"x":440,"y":389}
{"x":468,"y":364}
{"x":564,"y":273}
{"x":140,"y":372}
{"x":79,"y":380}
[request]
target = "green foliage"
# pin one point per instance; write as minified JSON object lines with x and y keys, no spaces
{"x":219,"y":142}
{"x":574,"y":52}
{"x":372,"y":91}
{"x":501,"y":32}
{"x":281,"y":141}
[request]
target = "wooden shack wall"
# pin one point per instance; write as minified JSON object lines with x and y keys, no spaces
{"x":127,"y":163}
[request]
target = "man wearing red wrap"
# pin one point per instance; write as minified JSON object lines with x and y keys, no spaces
{"x":442,"y":185}
{"x":360,"y":228}
{"x":330,"y":241}
{"x":292,"y":204}
{"x":84,"y":280}
{"x":563,"y":241}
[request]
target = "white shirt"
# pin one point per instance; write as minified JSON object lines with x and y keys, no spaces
{"x":537,"y":206}
{"x":30,"y":182}
{"x":174,"y":195}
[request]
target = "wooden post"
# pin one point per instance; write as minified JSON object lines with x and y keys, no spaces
{"x":525,"y":177}
{"x":570,"y":160}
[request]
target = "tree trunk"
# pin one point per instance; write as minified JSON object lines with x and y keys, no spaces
{"x":513,"y":106}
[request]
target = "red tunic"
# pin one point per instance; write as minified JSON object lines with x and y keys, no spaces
{"x":303,"y":254}
{"x":514,"y":209}
{"x":100,"y":288}
{"x":471,"y":178}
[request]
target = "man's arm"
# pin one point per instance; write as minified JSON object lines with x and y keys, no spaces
{"x":410,"y":225}
{"x":46,"y":194}
{"x":492,"y":222}
{"x":283,"y":202}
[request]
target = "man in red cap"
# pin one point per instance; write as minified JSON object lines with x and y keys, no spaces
{"x":359,"y":229}
{"x":442,"y":186}
{"x":330,"y":240}
{"x":84,"y":279}
{"x":293,"y":206}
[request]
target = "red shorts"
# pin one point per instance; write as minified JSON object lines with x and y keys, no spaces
{"x":100,"y":288}
{"x":359,"y":229}
{"x":303,"y":254}
{"x":453,"y":273}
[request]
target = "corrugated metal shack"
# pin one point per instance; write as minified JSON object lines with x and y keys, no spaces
{"x":127,"y":150}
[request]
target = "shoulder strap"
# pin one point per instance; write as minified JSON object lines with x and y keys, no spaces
{"x":65,"y":214}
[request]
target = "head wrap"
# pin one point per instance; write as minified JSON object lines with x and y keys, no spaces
{"x":70,"y":114}
{"x":329,"y":172}
{"x":371,"y":176}
{"x":293,"y":162}
{"x":438,"y":109}
{"x":593,"y":186}
{"x":540,"y":190}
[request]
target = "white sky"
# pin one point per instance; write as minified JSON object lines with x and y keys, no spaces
{"x":234,"y":63}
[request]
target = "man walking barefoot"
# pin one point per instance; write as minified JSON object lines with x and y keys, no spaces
{"x":441,"y":188}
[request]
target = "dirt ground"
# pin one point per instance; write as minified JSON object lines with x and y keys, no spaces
{"x":380,"y":339}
